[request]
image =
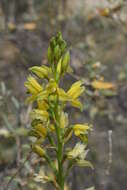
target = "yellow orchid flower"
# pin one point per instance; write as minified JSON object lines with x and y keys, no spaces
{"x":50,"y":125}
{"x":42,"y":177}
{"x":42,"y":95}
{"x":76,"y":90}
{"x":80,"y":129}
{"x":33,"y":86}
{"x":42,"y":105}
{"x":78,"y":151}
{"x":39,"y":114}
{"x":63,"y":96}
{"x":31,"y":99}
{"x":76,"y":103}
{"x":51,"y":87}
{"x":41,"y":130}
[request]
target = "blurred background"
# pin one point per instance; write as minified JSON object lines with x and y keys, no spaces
{"x":96,"y":33}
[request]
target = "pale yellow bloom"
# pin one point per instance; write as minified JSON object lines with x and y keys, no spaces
{"x":63,"y":120}
{"x":31,"y":99}
{"x":76,"y":90}
{"x":51,"y":87}
{"x":33,"y":86}
{"x":42,"y":95}
{"x":42,"y":105}
{"x":78,"y":151}
{"x":41,"y":177}
{"x":41,"y":130}
{"x":39,"y":114}
{"x":80,"y":129}
{"x":63,"y":96}
{"x":76,"y":103}
{"x":70,"y":96}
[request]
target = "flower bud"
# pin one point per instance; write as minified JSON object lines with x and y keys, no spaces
{"x":63,"y":46}
{"x":38,"y":150}
{"x":59,"y":67}
{"x":57,"y":52}
{"x":65,"y":61}
{"x":53,"y":43}
{"x":49,"y":54}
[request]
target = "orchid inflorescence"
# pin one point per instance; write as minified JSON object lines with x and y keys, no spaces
{"x":50,"y":121}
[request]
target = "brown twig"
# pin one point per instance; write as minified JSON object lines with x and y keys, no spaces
{"x":110,"y":152}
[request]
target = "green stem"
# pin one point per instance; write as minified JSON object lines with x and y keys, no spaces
{"x":51,"y":140}
{"x":60,"y":177}
{"x":60,"y":167}
{"x":50,"y":163}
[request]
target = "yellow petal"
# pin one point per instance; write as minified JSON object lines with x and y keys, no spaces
{"x":42,"y":105}
{"x":63,"y":96}
{"x":77,"y":132}
{"x":81,"y":129}
{"x":33,"y":86}
{"x":51,"y":127}
{"x":76,"y":103}
{"x":63,"y":120}
{"x":31,"y":99}
{"x":102,"y":85}
{"x":39,"y":114}
{"x":76,"y":88}
{"x":42,"y":95}
{"x":51,"y":87}
{"x":41,"y":130}
{"x":38,"y":150}
{"x":41,"y":72}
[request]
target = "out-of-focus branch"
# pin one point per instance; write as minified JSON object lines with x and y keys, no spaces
{"x":110,"y":152}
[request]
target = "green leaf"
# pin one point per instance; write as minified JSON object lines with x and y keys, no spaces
{"x":7,"y":123}
{"x":15,"y":102}
{"x":3,"y":88}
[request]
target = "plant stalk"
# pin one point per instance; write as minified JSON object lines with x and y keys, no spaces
{"x":60,"y":177}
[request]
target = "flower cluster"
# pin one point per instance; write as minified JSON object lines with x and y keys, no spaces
{"x":49,"y":120}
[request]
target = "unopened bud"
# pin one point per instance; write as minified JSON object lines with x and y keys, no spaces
{"x":49,"y":54}
{"x":53,"y":43}
{"x":57,"y":52}
{"x":59,"y":67}
{"x":65,"y":61}
{"x":38,"y":150}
